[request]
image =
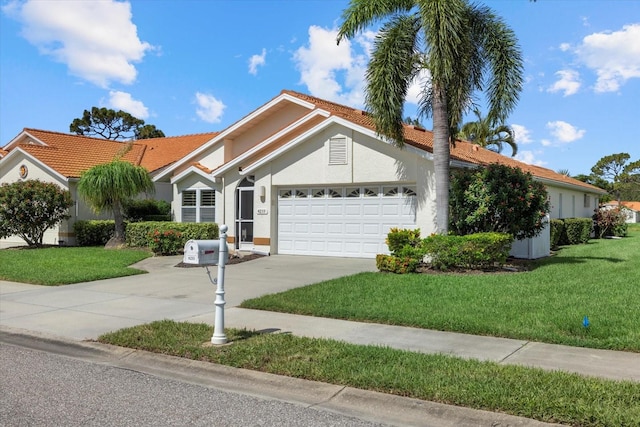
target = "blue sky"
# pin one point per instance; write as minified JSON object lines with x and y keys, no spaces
{"x":196,"y":66}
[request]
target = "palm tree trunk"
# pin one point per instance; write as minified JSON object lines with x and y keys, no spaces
{"x":117,"y":241}
{"x":441,"y":157}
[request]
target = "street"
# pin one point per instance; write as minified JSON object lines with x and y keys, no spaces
{"x":38,"y":388}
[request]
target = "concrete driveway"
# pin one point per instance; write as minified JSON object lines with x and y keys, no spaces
{"x":86,"y":310}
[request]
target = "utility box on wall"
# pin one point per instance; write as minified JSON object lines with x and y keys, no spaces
{"x":201,"y":252}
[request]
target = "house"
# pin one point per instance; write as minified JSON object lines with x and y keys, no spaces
{"x":61,"y":158}
{"x":305,"y":176}
{"x":630,"y":209}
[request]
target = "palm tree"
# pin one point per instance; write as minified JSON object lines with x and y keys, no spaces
{"x":108,"y":186}
{"x":463,"y":46}
{"x":485,"y":134}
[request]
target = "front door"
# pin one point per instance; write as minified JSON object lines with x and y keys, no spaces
{"x":244,"y":217}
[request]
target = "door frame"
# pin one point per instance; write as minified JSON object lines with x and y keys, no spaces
{"x":246,"y":189}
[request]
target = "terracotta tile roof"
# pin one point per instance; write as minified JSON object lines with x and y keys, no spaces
{"x":631,"y":205}
{"x":162,"y":152}
{"x":463,"y":151}
{"x":70,"y":155}
{"x":3,"y":153}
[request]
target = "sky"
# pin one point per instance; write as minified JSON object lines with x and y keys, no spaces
{"x":193,"y":66}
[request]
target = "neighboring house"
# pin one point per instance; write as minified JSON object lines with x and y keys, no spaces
{"x":630,"y":209}
{"x":304,"y":176}
{"x":61,"y":158}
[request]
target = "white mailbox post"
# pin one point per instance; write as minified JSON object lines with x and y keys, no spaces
{"x":206,"y":253}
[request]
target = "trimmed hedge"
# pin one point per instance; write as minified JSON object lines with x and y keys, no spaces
{"x":140,"y":233}
{"x":577,"y":230}
{"x":476,"y":251}
{"x":557,"y":229}
{"x":93,"y":232}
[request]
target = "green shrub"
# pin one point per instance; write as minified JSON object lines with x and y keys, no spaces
{"x":476,"y":251}
{"x":577,"y":230}
{"x":399,"y":238}
{"x":93,"y":232}
{"x":138,"y":233}
{"x":610,"y":222}
{"x":497,"y":198}
{"x":147,"y":210}
{"x":396,"y":264}
{"x":29,"y":208}
{"x":406,"y":250}
{"x":557,"y":230}
{"x":168,"y":242}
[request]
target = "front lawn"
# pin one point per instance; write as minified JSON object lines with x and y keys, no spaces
{"x":600,"y":280}
{"x":528,"y":392}
{"x":64,"y":265}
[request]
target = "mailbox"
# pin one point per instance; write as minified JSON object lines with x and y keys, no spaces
{"x":201,"y":252}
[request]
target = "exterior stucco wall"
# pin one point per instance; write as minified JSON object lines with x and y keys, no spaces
{"x":286,"y":115}
{"x":569,"y":203}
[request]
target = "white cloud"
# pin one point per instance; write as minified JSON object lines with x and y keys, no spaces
{"x":529,"y":157}
{"x":331,"y":71}
{"x":614,"y":56}
{"x":564,"y":47}
{"x":569,"y":82}
{"x":564,"y":132}
{"x":257,"y":60}
{"x":209,"y":108}
{"x":96,"y":40}
{"x":522,"y":134}
{"x":123,"y":101}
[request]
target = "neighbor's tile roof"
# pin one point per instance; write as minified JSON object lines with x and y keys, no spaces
{"x":70,"y":155}
{"x":462,"y":151}
{"x":631,"y":205}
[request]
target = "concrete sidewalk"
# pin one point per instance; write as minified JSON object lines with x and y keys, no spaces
{"x":84,"y":311}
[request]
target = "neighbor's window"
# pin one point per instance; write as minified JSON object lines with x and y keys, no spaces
{"x":199,"y":205}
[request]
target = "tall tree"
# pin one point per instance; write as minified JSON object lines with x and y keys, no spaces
{"x":489,"y":135}
{"x":465,"y":47}
{"x":114,"y":125}
{"x":107,"y":187}
{"x":617,"y":170}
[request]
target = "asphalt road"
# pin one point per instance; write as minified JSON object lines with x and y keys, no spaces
{"x":38,"y":388}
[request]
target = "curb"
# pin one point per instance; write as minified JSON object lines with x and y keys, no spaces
{"x":366,"y":405}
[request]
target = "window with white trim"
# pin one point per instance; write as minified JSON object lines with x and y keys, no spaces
{"x":199,"y":205}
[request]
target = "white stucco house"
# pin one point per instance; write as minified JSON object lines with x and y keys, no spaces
{"x":305,"y":176}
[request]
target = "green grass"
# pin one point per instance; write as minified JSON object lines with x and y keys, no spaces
{"x":600,"y":280}
{"x":63,"y":265}
{"x":532,"y":393}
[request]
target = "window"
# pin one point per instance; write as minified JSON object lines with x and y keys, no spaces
{"x":353,"y":192}
{"x":286,"y":194}
{"x":338,"y":151}
{"x":390,"y":191}
{"x":587,"y":201}
{"x":301,"y":193}
{"x":318,"y":193}
{"x":408,"y":191}
{"x":371,"y":192}
{"x":335,"y":192}
{"x":199,"y":205}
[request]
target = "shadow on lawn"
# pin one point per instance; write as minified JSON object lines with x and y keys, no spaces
{"x":572,"y":260}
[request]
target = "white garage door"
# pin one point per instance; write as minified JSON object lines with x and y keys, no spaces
{"x":342,"y":221}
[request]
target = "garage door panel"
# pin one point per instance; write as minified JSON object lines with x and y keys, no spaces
{"x":341,"y":226}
